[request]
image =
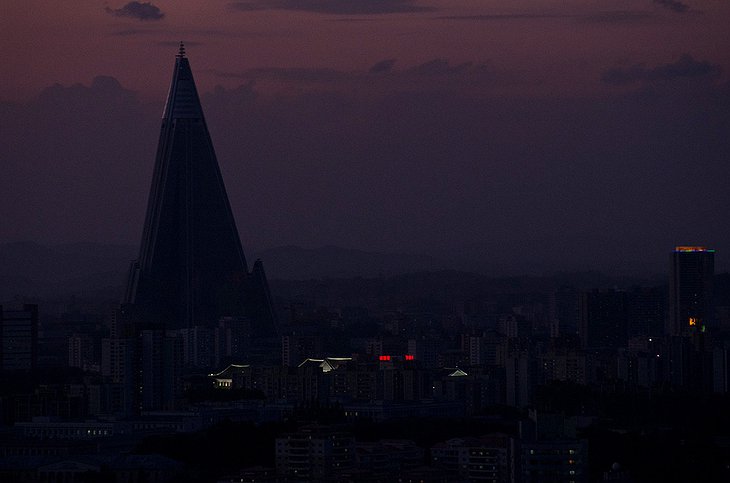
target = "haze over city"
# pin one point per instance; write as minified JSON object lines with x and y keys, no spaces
{"x":538,"y":135}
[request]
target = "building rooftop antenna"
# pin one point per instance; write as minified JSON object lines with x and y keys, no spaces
{"x":181,"y":52}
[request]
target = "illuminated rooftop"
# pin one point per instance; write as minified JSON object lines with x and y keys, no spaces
{"x":230,"y":369}
{"x":692,"y":249}
{"x":328,"y":363}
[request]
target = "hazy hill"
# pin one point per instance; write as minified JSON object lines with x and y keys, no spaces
{"x":99,"y":271}
{"x":31,"y":269}
{"x":296,"y":263}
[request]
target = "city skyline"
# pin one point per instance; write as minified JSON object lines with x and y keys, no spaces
{"x":538,"y":136}
{"x":495,"y":233}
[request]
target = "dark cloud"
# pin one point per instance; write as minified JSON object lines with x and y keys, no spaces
{"x":103,"y":89}
{"x":439,"y":67}
{"x":138,"y":10}
{"x":674,"y":5}
{"x":509,"y":16}
{"x":431,"y":75}
{"x":685,"y":67}
{"x":609,"y":16}
{"x":382,"y":66}
{"x":404,"y":162}
{"x":625,"y":75}
{"x":416,"y":169}
{"x":82,"y":145}
{"x":131,"y":32}
{"x":619,"y":16}
{"x":338,"y":7}
{"x":291,"y":74}
{"x":188,"y":33}
{"x":352,"y":19}
{"x":172,"y":43}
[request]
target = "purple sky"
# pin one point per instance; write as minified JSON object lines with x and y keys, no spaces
{"x":576,"y":134}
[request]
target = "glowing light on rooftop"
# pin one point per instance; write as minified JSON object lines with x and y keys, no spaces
{"x":692,"y":249}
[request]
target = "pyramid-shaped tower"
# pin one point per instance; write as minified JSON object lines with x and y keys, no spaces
{"x":191,"y":268}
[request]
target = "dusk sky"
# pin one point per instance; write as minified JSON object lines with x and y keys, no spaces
{"x":537,"y":134}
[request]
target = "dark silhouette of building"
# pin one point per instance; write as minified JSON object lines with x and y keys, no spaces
{"x":566,"y":310}
{"x":646,"y":311}
{"x":490,"y":457}
{"x":690,"y":289}
{"x":191,"y":269}
{"x":690,"y":315}
{"x":191,"y":275}
{"x":603,"y":319}
{"x":314,"y":453}
{"x":19,"y":338}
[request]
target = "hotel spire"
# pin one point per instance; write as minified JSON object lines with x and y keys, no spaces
{"x":191,"y":268}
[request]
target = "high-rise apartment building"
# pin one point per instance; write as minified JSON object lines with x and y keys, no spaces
{"x":690,"y":289}
{"x":603,"y":319}
{"x":313,"y":454}
{"x":646,"y":311}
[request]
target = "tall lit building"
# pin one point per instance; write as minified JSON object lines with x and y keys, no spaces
{"x":191,"y":269}
{"x":690,"y":289}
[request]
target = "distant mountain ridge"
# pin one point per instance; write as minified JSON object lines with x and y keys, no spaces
{"x":96,"y":270}
{"x":32,"y":269}
{"x":297,"y":263}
